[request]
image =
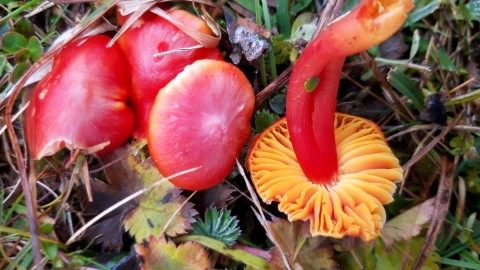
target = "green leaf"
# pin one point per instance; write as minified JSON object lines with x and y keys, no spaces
{"x":278,"y":103}
{"x":421,"y":11}
{"x":300,"y":5}
{"x":264,"y":119}
{"x":24,"y":27}
{"x":445,"y":62}
{"x":35,"y":48}
{"x":415,"y":44}
{"x":473,"y":9}
{"x":406,"y":86}
{"x":220,"y":226}
{"x":18,"y":71}
{"x":311,"y":84}
{"x":50,"y":250}
{"x":13,"y":42}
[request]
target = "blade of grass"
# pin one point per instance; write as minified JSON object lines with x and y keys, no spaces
{"x":19,"y":10}
{"x":258,"y":20}
{"x":459,"y":264}
{"x":283,"y":18}
{"x":406,"y":86}
{"x":271,"y":55}
{"x":421,"y":12}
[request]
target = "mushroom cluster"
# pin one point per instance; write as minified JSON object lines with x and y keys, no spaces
{"x":334,"y":170}
{"x":201,"y":104}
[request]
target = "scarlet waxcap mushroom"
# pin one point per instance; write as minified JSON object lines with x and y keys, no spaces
{"x":151,"y":35}
{"x":201,"y":119}
{"x":349,"y":205}
{"x":333,"y":170}
{"x":81,"y":102}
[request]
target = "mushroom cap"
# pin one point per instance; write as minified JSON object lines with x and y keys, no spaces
{"x":352,"y":204}
{"x":201,"y":118}
{"x":148,"y":36}
{"x":81,"y":102}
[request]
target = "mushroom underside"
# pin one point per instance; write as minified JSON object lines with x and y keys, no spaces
{"x":352,"y":203}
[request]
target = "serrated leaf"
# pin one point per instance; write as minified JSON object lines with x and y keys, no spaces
{"x":12,"y":42}
{"x":219,"y":225}
{"x":408,"y":224}
{"x":35,"y":48}
{"x":263,"y":120}
{"x":163,"y":254}
{"x":161,"y":209}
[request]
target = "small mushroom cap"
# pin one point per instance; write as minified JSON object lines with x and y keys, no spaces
{"x":148,"y":36}
{"x":352,"y":204}
{"x":81,"y":103}
{"x":201,"y":118}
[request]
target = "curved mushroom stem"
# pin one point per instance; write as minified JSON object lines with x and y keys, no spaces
{"x":313,"y":85}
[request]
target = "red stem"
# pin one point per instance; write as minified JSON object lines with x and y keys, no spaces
{"x":311,"y":115}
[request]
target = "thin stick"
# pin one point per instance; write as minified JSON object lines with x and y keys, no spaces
{"x":107,"y":211}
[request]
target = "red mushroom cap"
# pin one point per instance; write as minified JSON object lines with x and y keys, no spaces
{"x":150,"y":35}
{"x":81,"y":103}
{"x":201,"y":118}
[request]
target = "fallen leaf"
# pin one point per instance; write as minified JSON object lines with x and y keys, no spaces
{"x":122,"y":182}
{"x":163,"y":254}
{"x":302,"y":250}
{"x":408,"y":224}
{"x":161,"y":209}
{"x":376,"y":256}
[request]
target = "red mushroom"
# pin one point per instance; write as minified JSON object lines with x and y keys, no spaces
{"x":334,"y":170}
{"x":148,"y":36}
{"x":81,"y":103}
{"x":201,"y":119}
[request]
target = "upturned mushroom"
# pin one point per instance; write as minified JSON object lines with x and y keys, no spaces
{"x":332,"y":169}
{"x":149,"y":36}
{"x":82,"y":102}
{"x":201,"y":119}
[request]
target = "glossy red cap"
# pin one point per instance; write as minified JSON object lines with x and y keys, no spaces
{"x":81,"y":103}
{"x":201,"y":119}
{"x":148,"y":36}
